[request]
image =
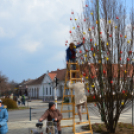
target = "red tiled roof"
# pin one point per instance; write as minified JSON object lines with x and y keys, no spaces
{"x":52,"y":75}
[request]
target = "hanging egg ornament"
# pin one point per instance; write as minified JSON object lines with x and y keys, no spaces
{"x":120,"y":59}
{"x":121,"y":52}
{"x":78,"y":26}
{"x":84,"y":74}
{"x":110,"y":35}
{"x":86,"y":5}
{"x":85,"y":55}
{"x":94,"y":54}
{"x":120,"y":35}
{"x":107,"y":44}
{"x":72,"y":12}
{"x":109,"y":21}
{"x":91,"y":40}
{"x":65,"y":44}
{"x":125,"y":71}
{"x":92,"y":77}
{"x":92,"y":48}
{"x":107,"y":58}
{"x":96,"y":21}
{"x":104,"y":72}
{"x":111,"y":82}
{"x":115,"y":27}
{"x":125,"y":36}
{"x":84,"y":32}
{"x":91,"y":13}
{"x":130,"y":52}
{"x":74,"y":46}
{"x":73,"y":27}
{"x":95,"y":44}
{"x":94,"y":97}
{"x":128,"y":59}
{"x":122,"y":103}
{"x":87,"y":88}
{"x":86,"y":77}
{"x":70,"y":31}
{"x":80,"y":51}
{"x":83,"y":38}
{"x":117,"y":17}
{"x":93,"y":27}
{"x":81,"y":58}
{"x":89,"y":29}
{"x":84,"y":19}
{"x":75,"y":19}
{"x":99,"y":61}
{"x":93,"y":86}
{"x":70,"y":18}
{"x":128,"y":41}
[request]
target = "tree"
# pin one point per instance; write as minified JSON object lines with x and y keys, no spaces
{"x":106,"y":56}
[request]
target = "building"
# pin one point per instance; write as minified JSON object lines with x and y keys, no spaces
{"x":44,"y":86}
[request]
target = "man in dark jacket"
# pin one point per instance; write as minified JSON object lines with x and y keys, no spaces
{"x":3,"y":119}
{"x":52,"y":114}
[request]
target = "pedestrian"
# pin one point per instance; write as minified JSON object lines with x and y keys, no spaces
{"x":3,"y":119}
{"x":23,"y":99}
{"x":52,"y":114}
{"x":71,"y":55}
{"x":19,"y":100}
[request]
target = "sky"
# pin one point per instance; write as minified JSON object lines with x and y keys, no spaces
{"x":33,"y":35}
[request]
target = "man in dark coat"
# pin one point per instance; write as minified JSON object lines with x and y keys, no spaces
{"x":52,"y":114}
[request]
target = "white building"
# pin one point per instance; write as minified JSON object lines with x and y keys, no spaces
{"x":44,"y":86}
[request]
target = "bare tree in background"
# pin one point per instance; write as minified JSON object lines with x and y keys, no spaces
{"x":106,"y":56}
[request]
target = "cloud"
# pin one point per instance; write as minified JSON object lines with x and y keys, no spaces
{"x":31,"y":30}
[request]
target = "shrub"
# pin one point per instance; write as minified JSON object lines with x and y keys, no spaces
{"x":11,"y":104}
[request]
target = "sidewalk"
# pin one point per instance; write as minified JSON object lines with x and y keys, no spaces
{"x":23,"y":127}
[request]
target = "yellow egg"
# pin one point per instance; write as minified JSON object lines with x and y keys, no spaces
{"x":95,"y":44}
{"x":94,"y":54}
{"x":74,"y":46}
{"x":107,"y":44}
{"x":99,"y":61}
{"x":91,"y":13}
{"x":86,"y":83}
{"x":125,"y":71}
{"x":96,"y":21}
{"x":81,"y":76}
{"x":84,"y":32}
{"x":89,"y":29}
{"x":128,"y":41}
{"x":107,"y":58}
{"x":86,"y":77}
{"x":93,"y":86}
{"x":71,"y":81}
{"x":75,"y":19}
{"x":115,"y":27}
{"x":125,"y":36}
{"x":85,"y":55}
{"x":122,"y":103}
{"x":109,"y":21}
{"x":82,"y":63}
{"x":73,"y":27}
{"x":87,"y":88}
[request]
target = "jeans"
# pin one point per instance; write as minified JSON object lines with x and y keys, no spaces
{"x":73,"y":65}
{"x":59,"y":132}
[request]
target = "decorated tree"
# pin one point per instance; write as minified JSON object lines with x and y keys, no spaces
{"x":106,"y":56}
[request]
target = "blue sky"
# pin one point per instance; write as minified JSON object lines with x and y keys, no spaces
{"x":33,"y":34}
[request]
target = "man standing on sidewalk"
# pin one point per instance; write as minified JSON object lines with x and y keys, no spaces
{"x":52,"y":114}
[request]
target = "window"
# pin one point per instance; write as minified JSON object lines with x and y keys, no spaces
{"x":46,"y":91}
{"x":50,"y":90}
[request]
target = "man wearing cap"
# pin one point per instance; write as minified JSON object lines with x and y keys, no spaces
{"x":3,"y":119}
{"x":52,"y":114}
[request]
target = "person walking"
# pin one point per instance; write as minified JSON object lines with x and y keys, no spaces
{"x":23,"y":99}
{"x":52,"y":114}
{"x":3,"y":119}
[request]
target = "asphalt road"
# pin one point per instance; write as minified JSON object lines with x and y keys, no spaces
{"x":39,"y":109}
